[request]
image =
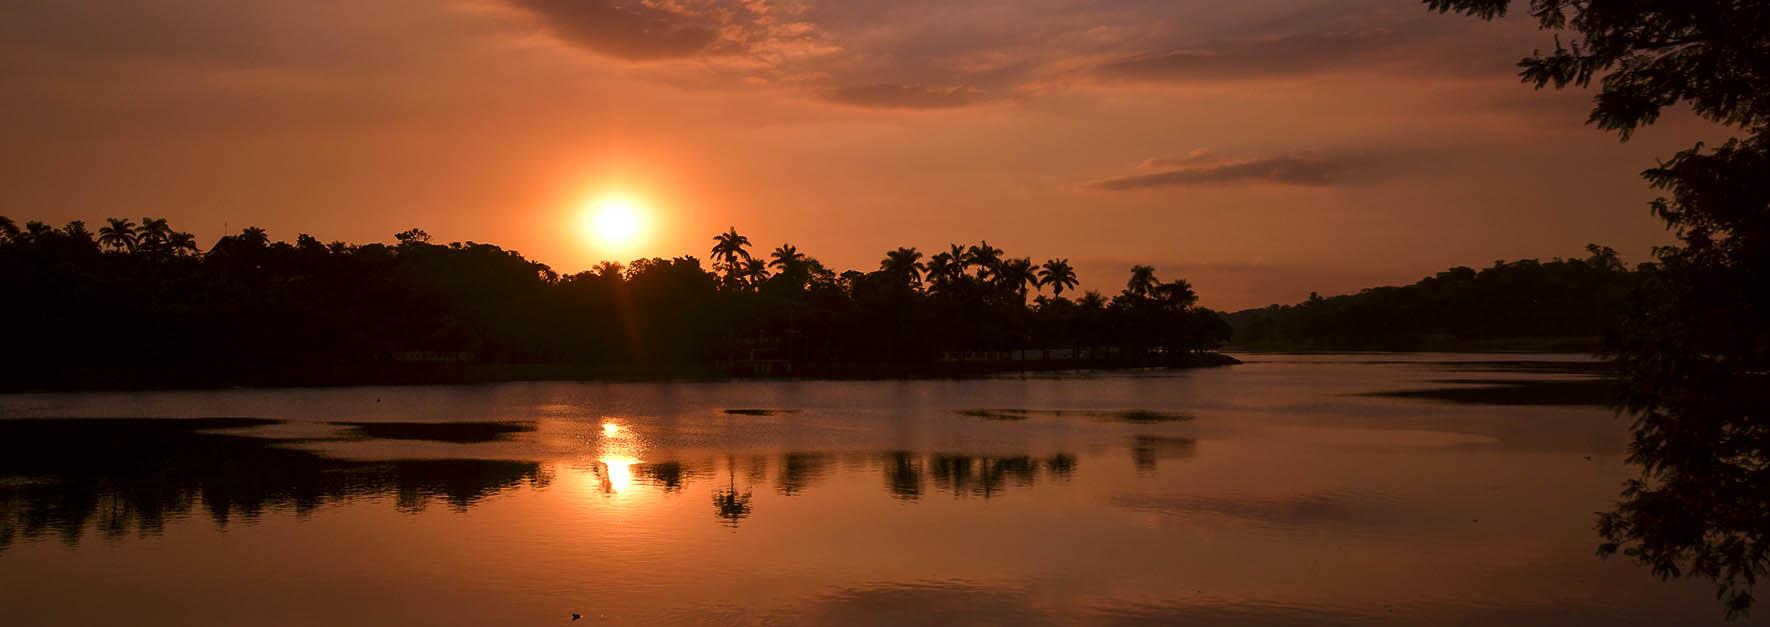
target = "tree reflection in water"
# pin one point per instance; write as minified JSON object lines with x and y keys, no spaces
{"x":730,"y":505}
{"x":903,"y":476}
{"x":63,"y":476}
{"x":1146,"y":450}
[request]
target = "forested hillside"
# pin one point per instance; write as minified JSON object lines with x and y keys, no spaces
{"x":1562,"y":304}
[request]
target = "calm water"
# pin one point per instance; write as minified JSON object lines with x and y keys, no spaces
{"x":1276,"y":492}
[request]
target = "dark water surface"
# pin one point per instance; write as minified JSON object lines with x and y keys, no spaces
{"x":1289,"y":490}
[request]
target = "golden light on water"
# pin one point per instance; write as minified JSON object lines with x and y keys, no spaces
{"x":617,"y":452}
{"x":617,"y":473}
{"x":616,"y":222}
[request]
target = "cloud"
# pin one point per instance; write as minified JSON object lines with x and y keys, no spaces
{"x":895,"y":96}
{"x":908,"y":54}
{"x":627,"y":30}
{"x":1196,"y":157}
{"x":1303,"y":170}
{"x":1301,"y":53}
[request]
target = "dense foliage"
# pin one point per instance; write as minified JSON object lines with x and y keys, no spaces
{"x":1558,"y":305}
{"x":1694,"y":354}
{"x":141,"y":305}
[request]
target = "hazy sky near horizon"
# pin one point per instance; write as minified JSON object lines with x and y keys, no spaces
{"x":1261,"y":149}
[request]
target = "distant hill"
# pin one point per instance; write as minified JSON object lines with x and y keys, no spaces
{"x":1525,"y":305}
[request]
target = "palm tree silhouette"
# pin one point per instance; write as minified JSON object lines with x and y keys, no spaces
{"x":1058,"y":274}
{"x":254,"y":237}
{"x":755,"y":272}
{"x":987,"y":259}
{"x":730,"y":254}
{"x":1014,"y":275}
{"x":940,"y":271}
{"x":118,"y":234}
{"x":36,"y":231}
{"x":1176,"y":294}
{"x":961,"y":257}
{"x":791,"y":263}
{"x":155,"y":236}
{"x":948,"y":268}
{"x":182,"y":243}
{"x":1143,"y":281}
{"x":76,"y":229}
{"x":905,"y":264}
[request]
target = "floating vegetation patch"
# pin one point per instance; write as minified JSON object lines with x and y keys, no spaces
{"x":452,"y":432}
{"x":1141,"y":416}
{"x":1590,"y":367}
{"x":1134,"y":416}
{"x":997,"y":414}
{"x":759,"y":412}
{"x":1599,"y":392}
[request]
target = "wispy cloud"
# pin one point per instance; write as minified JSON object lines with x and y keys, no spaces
{"x":627,"y":30}
{"x":1259,"y":55}
{"x":891,"y":96}
{"x":765,"y":32}
{"x":904,"y":54}
{"x":1198,"y":169}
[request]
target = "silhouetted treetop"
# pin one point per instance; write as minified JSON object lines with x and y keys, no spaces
{"x":1713,"y":55}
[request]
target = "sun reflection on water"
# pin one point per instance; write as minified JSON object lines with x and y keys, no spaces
{"x":617,"y":473}
{"x":616,"y":453}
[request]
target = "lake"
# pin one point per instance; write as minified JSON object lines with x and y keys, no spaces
{"x":1416,"y":489}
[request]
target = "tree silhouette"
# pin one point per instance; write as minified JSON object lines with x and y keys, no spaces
{"x":411,"y":236}
{"x":76,"y":229}
{"x":904,"y":264}
{"x":254,"y":237}
{"x":1015,"y":275}
{"x":792,"y":266}
{"x":253,"y":311}
{"x":155,"y":237}
{"x":1176,"y":294}
{"x":731,"y":256}
{"x":946,"y":269}
{"x":755,"y":272}
{"x":182,"y":243}
{"x":986,"y":258}
{"x":1694,"y":352}
{"x":1142,"y":283}
{"x":1058,"y":274}
{"x":118,"y":234}
{"x":1561,"y":304}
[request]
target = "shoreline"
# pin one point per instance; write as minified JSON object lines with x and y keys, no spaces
{"x":149,"y":380}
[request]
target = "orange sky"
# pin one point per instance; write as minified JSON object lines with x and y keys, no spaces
{"x":1260,"y":149}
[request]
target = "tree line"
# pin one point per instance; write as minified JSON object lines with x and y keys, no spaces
{"x":142,"y":304}
{"x":1561,"y":304}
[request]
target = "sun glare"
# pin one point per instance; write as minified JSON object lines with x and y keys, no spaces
{"x":616,"y":223}
{"x":617,"y":474}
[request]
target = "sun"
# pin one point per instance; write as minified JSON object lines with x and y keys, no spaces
{"x":616,"y":222}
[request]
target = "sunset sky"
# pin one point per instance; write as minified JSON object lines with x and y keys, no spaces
{"x":1261,"y":149}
